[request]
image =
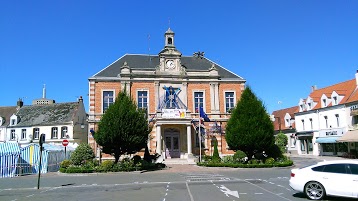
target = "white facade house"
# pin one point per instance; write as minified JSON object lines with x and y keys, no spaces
{"x":58,"y":121}
{"x":324,"y":117}
{"x":284,"y":122}
{"x":5,"y":114}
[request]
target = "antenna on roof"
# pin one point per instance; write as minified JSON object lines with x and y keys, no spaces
{"x":169,"y":22}
{"x":150,"y":59}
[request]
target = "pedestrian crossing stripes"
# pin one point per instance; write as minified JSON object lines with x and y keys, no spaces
{"x":205,"y":177}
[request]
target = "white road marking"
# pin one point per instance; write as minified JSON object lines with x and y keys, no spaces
{"x":268,"y":191}
{"x":30,"y":195}
{"x":190,"y":195}
{"x":229,"y":192}
{"x":258,"y":193}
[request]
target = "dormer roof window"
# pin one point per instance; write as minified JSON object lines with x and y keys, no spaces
{"x":2,"y":121}
{"x":335,"y":100}
{"x":13,"y":120}
{"x":324,"y":101}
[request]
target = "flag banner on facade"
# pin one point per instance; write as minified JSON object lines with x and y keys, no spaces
{"x":203,"y":115}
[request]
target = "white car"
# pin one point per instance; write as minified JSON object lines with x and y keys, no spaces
{"x":334,"y":178}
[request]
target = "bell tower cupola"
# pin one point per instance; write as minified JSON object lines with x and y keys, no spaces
{"x":169,"y":39}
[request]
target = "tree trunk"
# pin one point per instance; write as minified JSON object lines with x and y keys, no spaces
{"x":116,"y":157}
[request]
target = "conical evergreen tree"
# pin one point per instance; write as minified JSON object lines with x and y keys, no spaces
{"x":123,"y":128}
{"x":250,"y":128}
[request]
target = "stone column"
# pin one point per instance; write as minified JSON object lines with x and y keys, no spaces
{"x":159,"y":140}
{"x":185,"y":91}
{"x":216,"y":91}
{"x":156,"y":95}
{"x":188,"y":135}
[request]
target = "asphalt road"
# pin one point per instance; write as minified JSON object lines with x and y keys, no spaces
{"x":178,"y":183}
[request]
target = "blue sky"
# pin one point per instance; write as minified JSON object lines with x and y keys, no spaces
{"x":280,"y":47}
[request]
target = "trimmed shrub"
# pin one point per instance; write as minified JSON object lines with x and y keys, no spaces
{"x":270,"y":161}
{"x":82,"y":154}
{"x":216,"y":156}
{"x":206,"y":158}
{"x":228,"y":159}
{"x":239,"y":156}
{"x":136,"y":159}
{"x":65,"y":164}
{"x":106,"y":166}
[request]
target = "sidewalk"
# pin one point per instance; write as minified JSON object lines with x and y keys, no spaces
{"x":327,"y":158}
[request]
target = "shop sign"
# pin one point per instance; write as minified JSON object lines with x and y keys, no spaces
{"x":173,"y":113}
{"x":354,"y":107}
{"x":331,"y":132}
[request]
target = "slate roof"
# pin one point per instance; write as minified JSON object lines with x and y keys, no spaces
{"x":7,"y":112}
{"x":281,"y":113}
{"x":43,"y":115}
{"x":150,"y":62}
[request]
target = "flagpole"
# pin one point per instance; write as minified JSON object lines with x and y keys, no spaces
{"x":199,"y":139}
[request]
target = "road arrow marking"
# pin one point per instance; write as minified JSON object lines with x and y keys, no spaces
{"x":228,"y":191}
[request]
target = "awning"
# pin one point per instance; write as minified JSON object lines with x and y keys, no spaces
{"x":326,"y":140}
{"x":302,"y":134}
{"x":349,"y":136}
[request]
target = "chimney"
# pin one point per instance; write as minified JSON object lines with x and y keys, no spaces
{"x":357,"y":77}
{"x":314,"y":87}
{"x":20,"y":103}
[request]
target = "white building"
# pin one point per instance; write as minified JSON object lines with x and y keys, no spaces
{"x":58,"y":121}
{"x":324,"y":117}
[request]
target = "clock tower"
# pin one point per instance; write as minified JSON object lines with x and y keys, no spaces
{"x":170,"y":57}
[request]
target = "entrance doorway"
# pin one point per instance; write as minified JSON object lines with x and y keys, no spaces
{"x":172,"y":143}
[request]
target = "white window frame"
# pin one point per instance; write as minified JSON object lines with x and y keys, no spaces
{"x":54,"y":133}
{"x":335,"y":100}
{"x":337,"y":118}
{"x":102,"y":98}
{"x":326,"y":119}
{"x":303,"y":124}
{"x":148,"y":95}
{"x":12,"y":135}
{"x":234,"y":102}
{"x":23,"y":134}
{"x":64,"y":131}
{"x":194,"y":106}
{"x":311,"y":121}
{"x":36,"y":134}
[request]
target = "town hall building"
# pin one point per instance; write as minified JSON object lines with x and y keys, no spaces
{"x":172,"y":88}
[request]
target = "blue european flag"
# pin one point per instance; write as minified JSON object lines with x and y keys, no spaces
{"x":203,"y":115}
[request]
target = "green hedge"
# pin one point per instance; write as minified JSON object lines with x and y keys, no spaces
{"x":76,"y":169}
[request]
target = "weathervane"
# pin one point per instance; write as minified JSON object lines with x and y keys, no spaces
{"x":199,"y":54}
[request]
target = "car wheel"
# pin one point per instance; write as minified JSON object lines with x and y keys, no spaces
{"x":314,"y":190}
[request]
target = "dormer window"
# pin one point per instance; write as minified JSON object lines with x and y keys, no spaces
{"x":287,"y":122}
{"x":335,"y":102}
{"x":13,"y":120}
{"x":324,"y":102}
{"x":302,"y":107}
{"x":309,"y":106}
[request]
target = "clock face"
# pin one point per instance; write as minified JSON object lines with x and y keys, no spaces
{"x":170,"y":64}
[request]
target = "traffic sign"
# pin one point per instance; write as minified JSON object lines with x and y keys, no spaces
{"x":65,"y":142}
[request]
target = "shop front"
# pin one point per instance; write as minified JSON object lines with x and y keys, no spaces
{"x":304,"y":143}
{"x":327,"y":142}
